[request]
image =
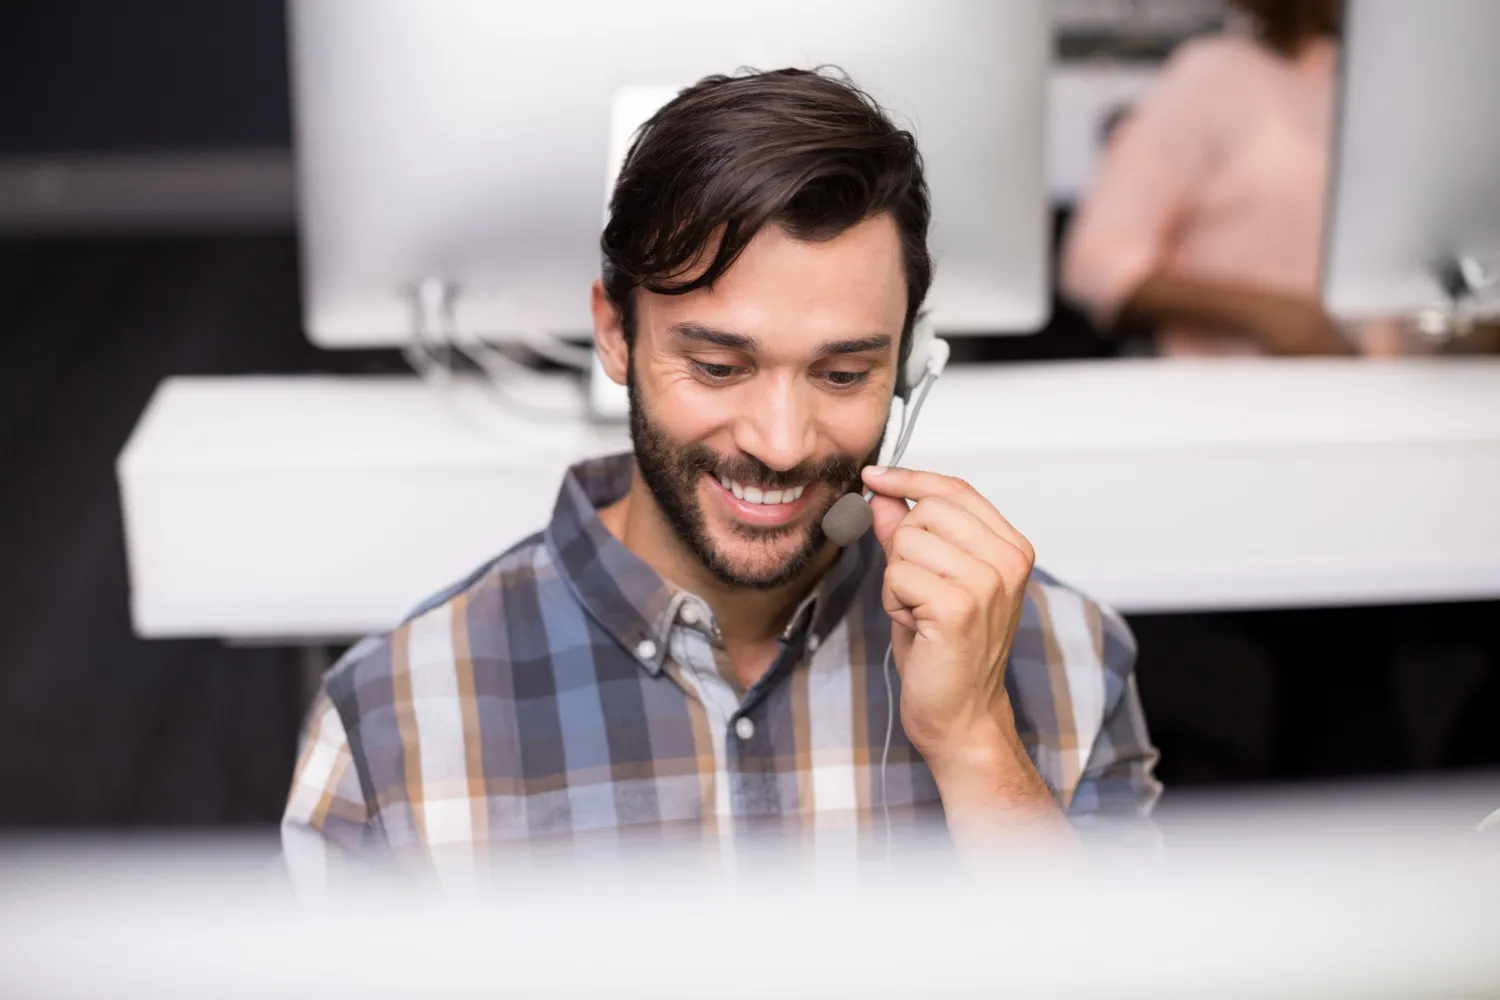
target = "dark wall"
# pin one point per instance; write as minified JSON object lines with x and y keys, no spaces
{"x":142,"y":75}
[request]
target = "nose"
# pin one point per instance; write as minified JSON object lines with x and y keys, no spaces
{"x":776,"y":426}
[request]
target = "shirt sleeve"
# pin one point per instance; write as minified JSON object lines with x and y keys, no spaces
{"x":1117,"y":789}
{"x":1146,"y":178}
{"x":329,"y":823}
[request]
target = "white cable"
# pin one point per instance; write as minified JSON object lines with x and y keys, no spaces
{"x":437,"y":326}
{"x":909,"y":418}
{"x":908,"y":423}
{"x":560,"y":351}
{"x":903,"y":438}
{"x":885,"y":751}
{"x":504,"y":374}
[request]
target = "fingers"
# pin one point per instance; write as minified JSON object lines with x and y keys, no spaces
{"x":900,"y":483}
{"x":924,"y":602}
{"x":956,"y":526}
{"x":889,"y":512}
{"x":976,"y":570}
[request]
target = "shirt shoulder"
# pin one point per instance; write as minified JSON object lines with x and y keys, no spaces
{"x":1077,"y":624}
{"x":1201,"y":88}
{"x":1213,"y":61}
{"x":466,"y":619}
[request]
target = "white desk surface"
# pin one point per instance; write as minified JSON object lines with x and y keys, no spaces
{"x":322,"y":507}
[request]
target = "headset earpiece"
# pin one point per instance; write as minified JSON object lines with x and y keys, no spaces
{"x":922,"y":337}
{"x":929,"y":352}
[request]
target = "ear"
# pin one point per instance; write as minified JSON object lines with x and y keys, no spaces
{"x":609,"y":334}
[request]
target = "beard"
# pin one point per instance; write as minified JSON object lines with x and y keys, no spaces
{"x":673,"y":472}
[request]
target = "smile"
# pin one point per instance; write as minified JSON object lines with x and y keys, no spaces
{"x":755,"y":505}
{"x":754,"y":494}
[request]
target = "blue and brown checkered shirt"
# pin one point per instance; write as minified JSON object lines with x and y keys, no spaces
{"x":565,"y":689}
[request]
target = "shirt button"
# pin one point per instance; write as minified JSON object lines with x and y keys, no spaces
{"x":646,"y":649}
{"x":812,"y":643}
{"x":744,"y":728}
{"x":689,"y":614}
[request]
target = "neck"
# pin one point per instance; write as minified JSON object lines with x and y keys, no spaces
{"x":743,"y":614}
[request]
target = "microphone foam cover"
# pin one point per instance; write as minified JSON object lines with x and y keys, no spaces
{"x":847,"y":520}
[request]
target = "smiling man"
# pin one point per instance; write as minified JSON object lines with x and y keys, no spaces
{"x":681,"y":647}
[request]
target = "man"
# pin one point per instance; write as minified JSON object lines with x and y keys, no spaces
{"x":681,"y":646}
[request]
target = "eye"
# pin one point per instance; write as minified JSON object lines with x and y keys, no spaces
{"x":715,"y":373}
{"x":844,"y":380}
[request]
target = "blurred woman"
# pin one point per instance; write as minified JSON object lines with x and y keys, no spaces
{"x":1206,"y":216}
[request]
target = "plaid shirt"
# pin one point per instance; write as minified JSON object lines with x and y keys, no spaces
{"x":566,"y":688}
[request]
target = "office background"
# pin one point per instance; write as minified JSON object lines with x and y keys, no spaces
{"x":101,"y":298}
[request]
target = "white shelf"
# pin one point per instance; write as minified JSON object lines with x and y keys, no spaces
{"x":276,"y":508}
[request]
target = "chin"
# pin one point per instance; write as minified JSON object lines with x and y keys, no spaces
{"x":758,"y":558}
{"x":762,"y":562}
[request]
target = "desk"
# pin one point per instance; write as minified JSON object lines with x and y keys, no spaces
{"x":321,"y":508}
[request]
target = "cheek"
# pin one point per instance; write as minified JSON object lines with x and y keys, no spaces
{"x":854,"y":425}
{"x":688,"y":411}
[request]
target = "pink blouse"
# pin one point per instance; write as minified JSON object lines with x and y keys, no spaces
{"x":1219,"y":173}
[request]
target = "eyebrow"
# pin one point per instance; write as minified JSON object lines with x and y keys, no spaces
{"x":739,"y":342}
{"x":859,"y":345}
{"x":719,"y":338}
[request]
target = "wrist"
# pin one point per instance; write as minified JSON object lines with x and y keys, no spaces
{"x":989,"y":789}
{"x":987,"y":767}
{"x":982,"y":749}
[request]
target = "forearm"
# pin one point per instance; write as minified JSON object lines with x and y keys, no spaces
{"x":990,"y":790}
{"x":1213,"y":307}
{"x":1483,"y":339}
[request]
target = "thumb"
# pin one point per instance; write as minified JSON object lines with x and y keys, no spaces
{"x":888,"y":512}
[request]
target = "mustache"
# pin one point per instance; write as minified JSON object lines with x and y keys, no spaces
{"x":837,"y":469}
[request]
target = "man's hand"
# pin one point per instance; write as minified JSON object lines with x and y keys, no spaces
{"x":955,"y":583}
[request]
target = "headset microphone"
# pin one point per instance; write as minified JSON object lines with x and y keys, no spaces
{"x":848,"y":520}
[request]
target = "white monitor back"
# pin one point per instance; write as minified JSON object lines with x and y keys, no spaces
{"x":468,"y":140}
{"x":1416,"y":180}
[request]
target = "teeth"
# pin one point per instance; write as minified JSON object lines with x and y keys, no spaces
{"x":754,"y":494}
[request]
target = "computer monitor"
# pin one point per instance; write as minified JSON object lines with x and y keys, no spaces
{"x":1415,"y":187}
{"x":467,"y":141}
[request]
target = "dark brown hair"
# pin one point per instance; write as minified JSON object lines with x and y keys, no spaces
{"x":1285,"y":25}
{"x":807,"y":151}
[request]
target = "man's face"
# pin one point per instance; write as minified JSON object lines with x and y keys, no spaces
{"x":756,"y":402}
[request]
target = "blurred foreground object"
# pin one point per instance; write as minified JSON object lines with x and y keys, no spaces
{"x":1328,"y":894}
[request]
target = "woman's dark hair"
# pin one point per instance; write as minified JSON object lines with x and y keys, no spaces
{"x":1285,"y":24}
{"x":806,"y":151}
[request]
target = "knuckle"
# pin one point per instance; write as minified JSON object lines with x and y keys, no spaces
{"x":965,"y":604}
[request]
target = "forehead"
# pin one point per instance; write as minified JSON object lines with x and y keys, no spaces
{"x":786,"y":292}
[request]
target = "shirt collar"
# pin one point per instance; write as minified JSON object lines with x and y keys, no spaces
{"x":629,"y":599}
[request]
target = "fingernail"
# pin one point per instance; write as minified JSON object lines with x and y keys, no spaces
{"x":874,"y":470}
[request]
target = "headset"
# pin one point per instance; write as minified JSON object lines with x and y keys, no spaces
{"x":848,"y":520}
